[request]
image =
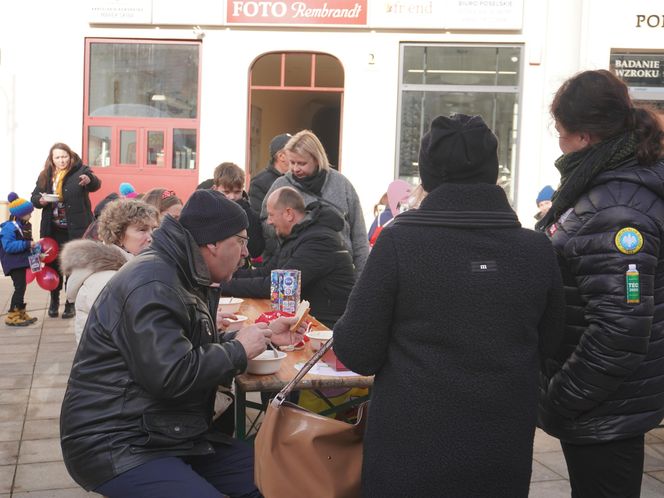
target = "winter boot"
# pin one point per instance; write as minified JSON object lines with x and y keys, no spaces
{"x":25,"y":316}
{"x":54,"y":304}
{"x":14,"y":319}
{"x":70,"y":311}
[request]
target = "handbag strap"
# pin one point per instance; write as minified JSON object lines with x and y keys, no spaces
{"x":283,"y":394}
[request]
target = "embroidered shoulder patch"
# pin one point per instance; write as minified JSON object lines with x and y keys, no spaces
{"x":629,"y":240}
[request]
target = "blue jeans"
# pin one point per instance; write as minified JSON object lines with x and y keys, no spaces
{"x":229,"y":471}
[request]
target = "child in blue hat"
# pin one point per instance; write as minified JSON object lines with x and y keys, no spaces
{"x":543,"y":201}
{"x":16,"y":237}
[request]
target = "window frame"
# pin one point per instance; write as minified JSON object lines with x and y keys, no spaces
{"x":140,"y":124}
{"x":517,"y":89}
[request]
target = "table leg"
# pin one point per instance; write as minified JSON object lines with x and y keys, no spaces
{"x":240,"y":413}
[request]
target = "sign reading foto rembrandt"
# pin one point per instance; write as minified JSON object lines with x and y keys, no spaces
{"x":330,"y":12}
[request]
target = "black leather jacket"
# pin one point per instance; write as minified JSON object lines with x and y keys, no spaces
{"x":144,"y":377}
{"x":607,"y":380}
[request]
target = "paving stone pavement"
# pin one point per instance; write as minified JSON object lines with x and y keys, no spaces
{"x":34,"y":367}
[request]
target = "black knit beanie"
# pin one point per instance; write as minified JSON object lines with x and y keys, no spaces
{"x":458,"y":149}
{"x":210,"y":217}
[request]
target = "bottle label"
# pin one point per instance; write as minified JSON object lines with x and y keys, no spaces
{"x":633,"y":288}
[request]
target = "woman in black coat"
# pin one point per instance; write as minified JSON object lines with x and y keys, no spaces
{"x":455,"y":308}
{"x":604,"y":388}
{"x":66,"y":218}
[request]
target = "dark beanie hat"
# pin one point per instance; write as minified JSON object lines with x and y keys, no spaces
{"x":210,"y":217}
{"x":278,"y":143}
{"x":458,"y":149}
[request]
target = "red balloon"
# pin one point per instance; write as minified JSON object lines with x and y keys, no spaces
{"x":48,"y":279}
{"x":29,"y":276}
{"x":50,"y":248}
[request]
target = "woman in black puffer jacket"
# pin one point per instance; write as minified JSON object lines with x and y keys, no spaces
{"x":604,"y":389}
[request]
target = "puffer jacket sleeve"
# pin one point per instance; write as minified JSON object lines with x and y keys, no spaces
{"x":36,"y":195}
{"x":155,"y":338}
{"x":551,"y":326}
{"x":616,"y":339}
{"x":95,"y":182}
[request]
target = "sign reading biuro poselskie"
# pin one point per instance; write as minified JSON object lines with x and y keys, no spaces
{"x":639,"y":69}
{"x":300,"y":12}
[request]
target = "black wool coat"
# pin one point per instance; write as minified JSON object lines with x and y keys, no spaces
{"x":315,"y":248}
{"x":76,"y":198}
{"x":453,"y":321}
{"x":606,"y":382}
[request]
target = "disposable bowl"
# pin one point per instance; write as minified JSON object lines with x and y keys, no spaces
{"x":236,"y":324}
{"x":266,"y":363}
{"x":50,"y":197}
{"x":230,"y":304}
{"x":318,"y":337}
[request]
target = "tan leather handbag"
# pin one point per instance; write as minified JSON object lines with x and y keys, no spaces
{"x":302,"y":454}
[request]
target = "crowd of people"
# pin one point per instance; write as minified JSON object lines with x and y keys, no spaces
{"x":475,"y":329}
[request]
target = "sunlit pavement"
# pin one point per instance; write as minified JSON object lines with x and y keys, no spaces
{"x":34,"y":367}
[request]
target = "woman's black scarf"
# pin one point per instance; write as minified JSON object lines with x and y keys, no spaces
{"x":313,"y":183}
{"x":577,"y":170}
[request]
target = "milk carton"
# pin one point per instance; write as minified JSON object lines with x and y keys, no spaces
{"x":275,"y":286}
{"x":290,"y":290}
{"x":285,"y":288}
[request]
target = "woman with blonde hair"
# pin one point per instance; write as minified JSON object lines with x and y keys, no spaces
{"x":62,"y":192}
{"x":310,"y":173}
{"x":124,"y":229}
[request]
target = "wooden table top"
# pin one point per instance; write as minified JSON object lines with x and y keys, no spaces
{"x":252,"y":308}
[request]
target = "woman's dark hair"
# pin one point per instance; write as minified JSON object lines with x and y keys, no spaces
{"x":49,"y":167}
{"x":598,"y":102}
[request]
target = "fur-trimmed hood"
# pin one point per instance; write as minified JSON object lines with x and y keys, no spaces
{"x":81,"y":258}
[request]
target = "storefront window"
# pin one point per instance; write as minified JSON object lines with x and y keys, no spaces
{"x":143,"y":80}
{"x":184,"y":149}
{"x":99,"y":146}
{"x":142,"y":108}
{"x":459,"y":79}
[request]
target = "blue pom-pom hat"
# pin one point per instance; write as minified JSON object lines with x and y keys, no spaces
{"x":19,"y":207}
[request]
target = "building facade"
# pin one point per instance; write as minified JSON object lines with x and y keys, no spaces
{"x":158,"y":92}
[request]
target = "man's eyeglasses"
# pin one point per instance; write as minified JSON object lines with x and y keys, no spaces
{"x":244,"y":241}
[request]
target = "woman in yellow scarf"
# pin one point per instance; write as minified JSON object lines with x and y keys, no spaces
{"x":62,"y":192}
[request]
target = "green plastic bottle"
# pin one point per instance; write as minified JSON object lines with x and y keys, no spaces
{"x":632,"y":285}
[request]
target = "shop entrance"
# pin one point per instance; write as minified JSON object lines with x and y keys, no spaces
{"x":292,"y":91}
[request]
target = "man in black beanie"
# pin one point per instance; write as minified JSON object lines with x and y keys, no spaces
{"x":137,"y":415}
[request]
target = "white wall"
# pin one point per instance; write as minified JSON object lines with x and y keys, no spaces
{"x":42,"y":63}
